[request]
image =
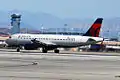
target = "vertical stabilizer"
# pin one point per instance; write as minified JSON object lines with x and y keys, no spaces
{"x":94,"y":30}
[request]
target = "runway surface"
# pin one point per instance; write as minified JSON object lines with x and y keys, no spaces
{"x":50,"y":66}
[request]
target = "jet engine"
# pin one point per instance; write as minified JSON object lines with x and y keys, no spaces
{"x":30,"y":47}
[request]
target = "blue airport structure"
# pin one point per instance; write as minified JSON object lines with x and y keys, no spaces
{"x":15,"y":23}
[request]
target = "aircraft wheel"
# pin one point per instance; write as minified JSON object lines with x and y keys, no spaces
{"x":56,"y":51}
{"x":18,"y":49}
{"x":44,"y":51}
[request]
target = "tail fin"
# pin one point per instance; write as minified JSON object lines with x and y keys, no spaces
{"x":95,"y":28}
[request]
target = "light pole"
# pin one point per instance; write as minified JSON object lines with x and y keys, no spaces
{"x":42,"y":27}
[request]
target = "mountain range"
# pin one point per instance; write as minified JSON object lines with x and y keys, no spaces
{"x":40,"y":20}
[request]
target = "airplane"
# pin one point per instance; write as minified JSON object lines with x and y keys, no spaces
{"x":54,"y":41}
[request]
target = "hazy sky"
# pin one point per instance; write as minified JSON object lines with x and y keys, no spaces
{"x":66,"y":8}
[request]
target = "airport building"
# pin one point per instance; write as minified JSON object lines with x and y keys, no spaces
{"x":15,"y":23}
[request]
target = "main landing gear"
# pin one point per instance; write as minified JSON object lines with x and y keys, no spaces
{"x":45,"y":50}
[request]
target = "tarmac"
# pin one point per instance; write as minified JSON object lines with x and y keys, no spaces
{"x":34,"y":65}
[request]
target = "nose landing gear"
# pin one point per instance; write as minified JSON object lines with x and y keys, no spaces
{"x":18,"y":49}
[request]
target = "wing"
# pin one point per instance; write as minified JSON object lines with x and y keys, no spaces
{"x":92,"y":41}
{"x":43,"y":43}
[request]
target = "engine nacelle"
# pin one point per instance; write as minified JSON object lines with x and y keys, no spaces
{"x":30,"y":47}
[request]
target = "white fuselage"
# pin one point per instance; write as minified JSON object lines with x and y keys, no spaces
{"x":61,"y":40}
